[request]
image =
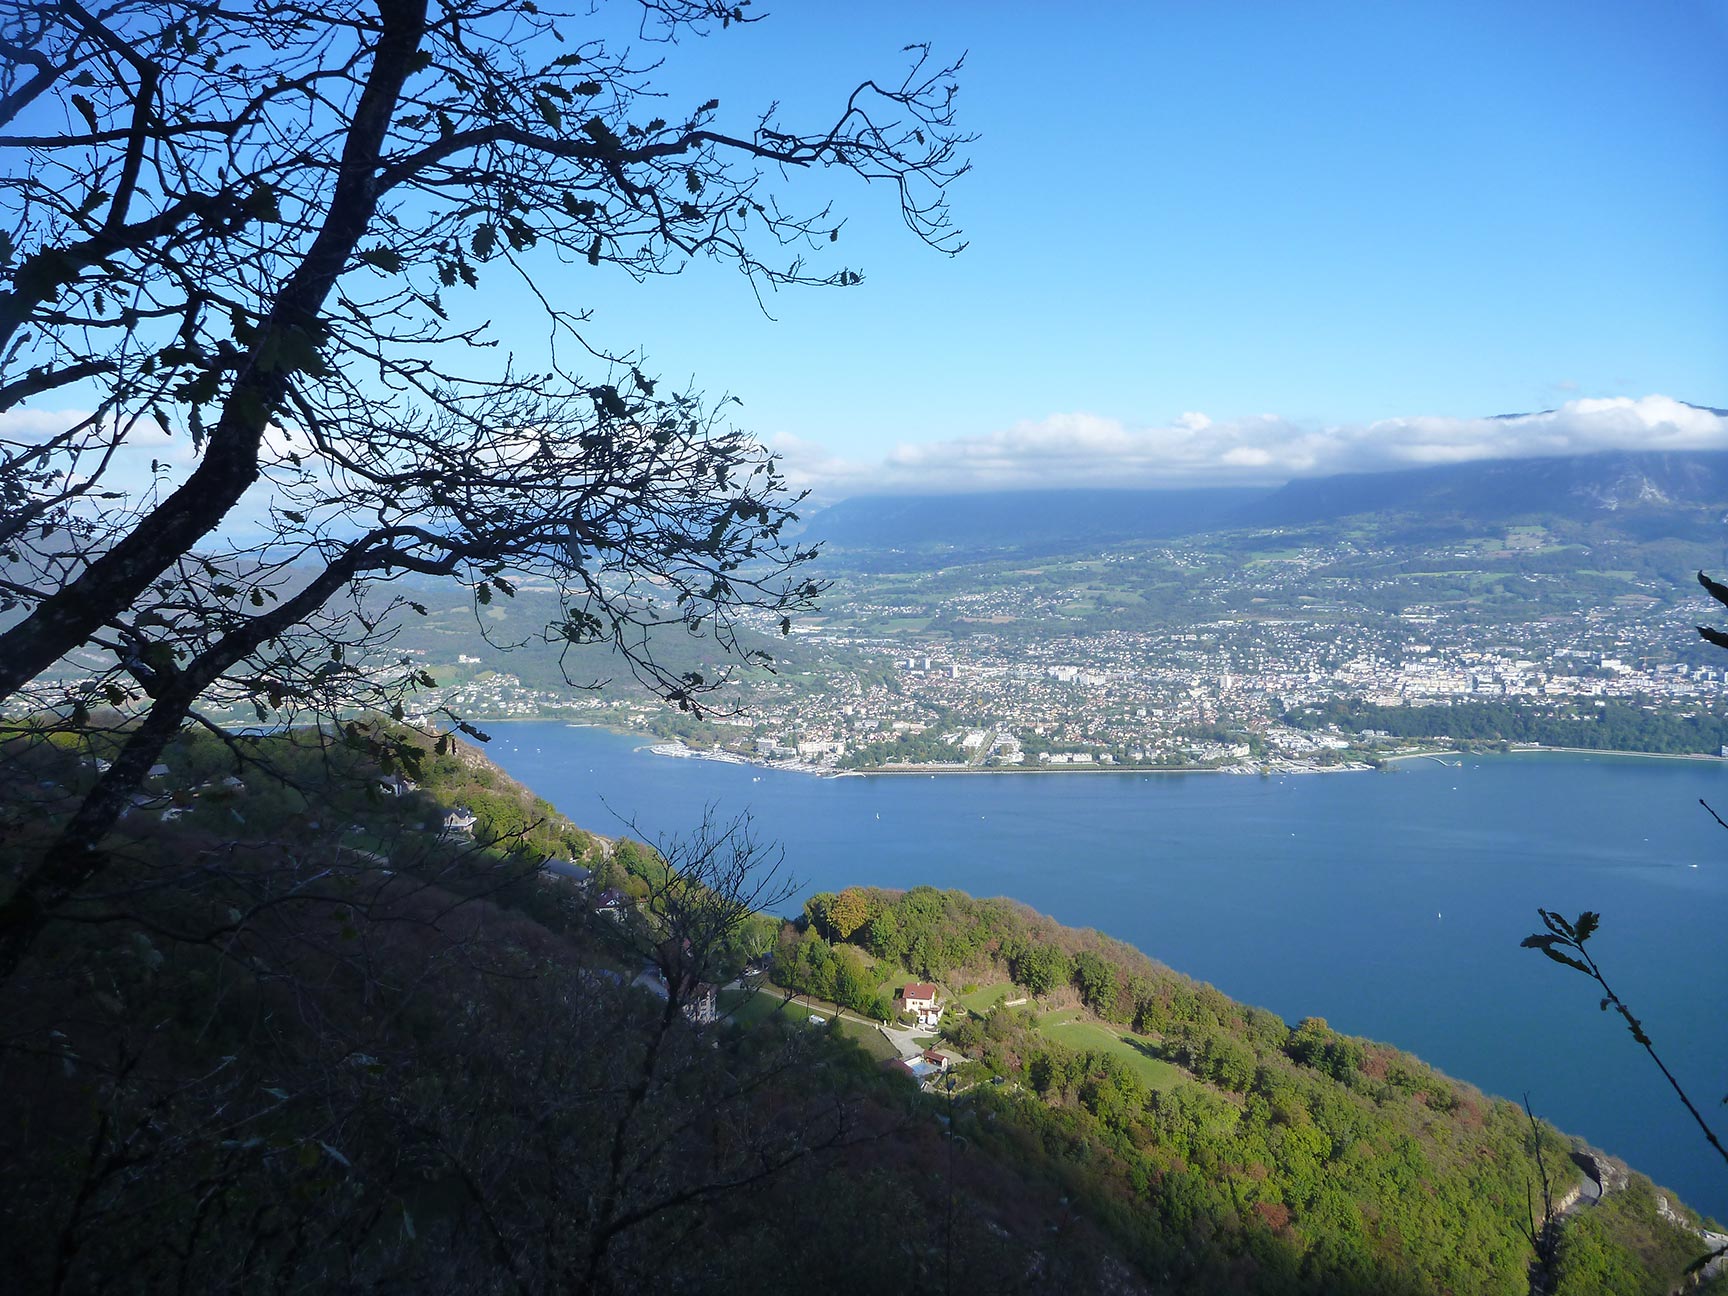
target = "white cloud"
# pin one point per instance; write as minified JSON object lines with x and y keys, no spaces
{"x":126,"y":465}
{"x":1081,"y":449}
{"x":1246,"y":457}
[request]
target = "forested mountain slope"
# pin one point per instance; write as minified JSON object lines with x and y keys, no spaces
{"x":333,"y":1024}
{"x":1214,"y":1136}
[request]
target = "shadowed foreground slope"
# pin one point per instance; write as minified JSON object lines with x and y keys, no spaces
{"x":310,"y":1037}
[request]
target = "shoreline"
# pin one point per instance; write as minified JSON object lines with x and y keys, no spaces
{"x":1541,"y":749}
{"x":682,"y":751}
{"x":933,"y":771}
{"x":678,"y":749}
{"x":1538,"y":748}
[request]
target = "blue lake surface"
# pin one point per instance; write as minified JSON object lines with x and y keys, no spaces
{"x":1389,"y":903}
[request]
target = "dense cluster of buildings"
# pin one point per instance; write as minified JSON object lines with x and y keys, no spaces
{"x":1037,"y":670}
{"x":1033,"y":672}
{"x":1207,"y":694}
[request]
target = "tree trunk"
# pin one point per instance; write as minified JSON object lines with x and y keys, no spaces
{"x":113,"y":582}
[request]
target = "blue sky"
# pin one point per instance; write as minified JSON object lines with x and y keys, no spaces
{"x":1340,"y":215}
{"x":1217,"y":242}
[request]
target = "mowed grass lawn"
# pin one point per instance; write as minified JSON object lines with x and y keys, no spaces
{"x":868,"y":1038}
{"x":981,"y":999}
{"x":898,"y":978}
{"x":1141,"y":1055}
{"x":748,"y":1008}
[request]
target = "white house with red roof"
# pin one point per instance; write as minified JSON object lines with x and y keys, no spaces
{"x":921,"y":998}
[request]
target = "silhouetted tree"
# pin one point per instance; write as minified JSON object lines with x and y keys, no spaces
{"x":252,"y":229}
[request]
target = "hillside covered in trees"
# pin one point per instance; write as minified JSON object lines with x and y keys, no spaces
{"x":1368,"y":1166}
{"x":356,"y":1015}
{"x":1612,"y":726}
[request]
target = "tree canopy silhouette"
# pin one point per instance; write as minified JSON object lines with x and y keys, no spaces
{"x":257,"y":232}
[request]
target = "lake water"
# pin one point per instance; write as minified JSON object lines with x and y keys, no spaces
{"x":1390,"y":903}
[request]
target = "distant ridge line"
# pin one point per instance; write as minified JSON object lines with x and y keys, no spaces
{"x":1649,"y":484}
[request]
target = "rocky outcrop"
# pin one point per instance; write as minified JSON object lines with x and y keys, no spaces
{"x":1714,"y":1244}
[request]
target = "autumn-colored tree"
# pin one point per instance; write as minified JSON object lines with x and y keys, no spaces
{"x":849,"y":911}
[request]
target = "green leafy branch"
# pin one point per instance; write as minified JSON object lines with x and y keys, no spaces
{"x":1562,"y":936}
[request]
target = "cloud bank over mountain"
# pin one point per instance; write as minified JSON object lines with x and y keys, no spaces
{"x":1086,"y":450}
{"x":1193,"y":450}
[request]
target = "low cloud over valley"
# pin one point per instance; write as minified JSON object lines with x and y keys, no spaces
{"x":1194,"y":450}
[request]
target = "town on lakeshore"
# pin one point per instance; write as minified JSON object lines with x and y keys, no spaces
{"x":1184,"y":700}
{"x":606,"y":610}
{"x":1323,"y":636}
{"x":1270,"y":652}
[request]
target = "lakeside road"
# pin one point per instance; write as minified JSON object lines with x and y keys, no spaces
{"x":1539,"y":749}
{"x":1536,"y":748}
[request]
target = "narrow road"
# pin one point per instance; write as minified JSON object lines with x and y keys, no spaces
{"x":902,"y":1038}
{"x":1587,"y":1194}
{"x":1715,"y":1244}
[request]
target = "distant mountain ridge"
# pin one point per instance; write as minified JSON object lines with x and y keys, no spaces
{"x":1579,"y":487}
{"x":1645,"y":488}
{"x":1708,"y":409}
{"x":1026,"y":519}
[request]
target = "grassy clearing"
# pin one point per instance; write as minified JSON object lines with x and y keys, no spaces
{"x":748,"y":1009}
{"x":981,"y":999}
{"x":868,"y":1038}
{"x":1140,"y":1054}
{"x":898,"y":978}
{"x":1066,"y":1026}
